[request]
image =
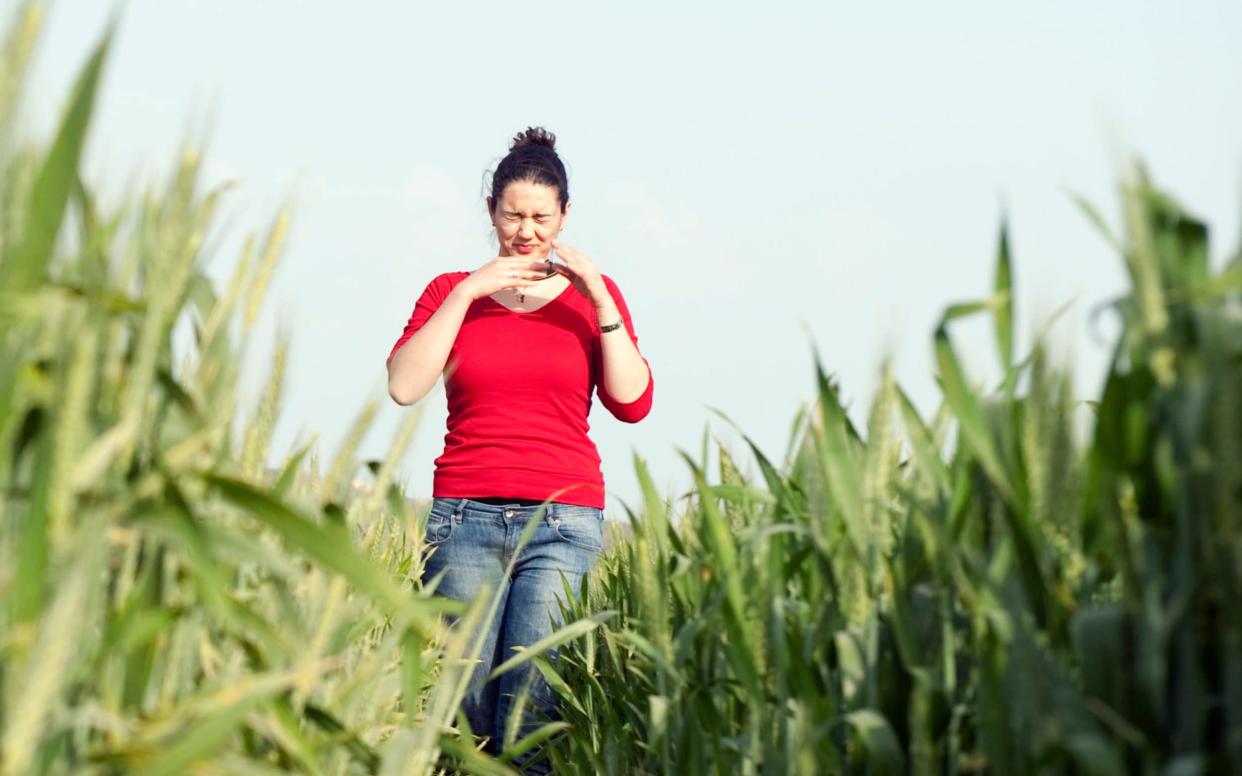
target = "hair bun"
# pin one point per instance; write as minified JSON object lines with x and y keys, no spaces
{"x":534,"y":136}
{"x":532,"y":157}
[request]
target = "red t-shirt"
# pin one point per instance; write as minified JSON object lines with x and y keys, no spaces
{"x":519,"y":391}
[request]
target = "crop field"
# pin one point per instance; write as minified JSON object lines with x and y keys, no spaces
{"x":997,"y":588}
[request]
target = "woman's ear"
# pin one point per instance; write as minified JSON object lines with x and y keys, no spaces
{"x":491,"y":207}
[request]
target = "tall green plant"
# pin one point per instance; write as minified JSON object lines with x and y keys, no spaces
{"x":168,"y":603}
{"x":983,"y":591}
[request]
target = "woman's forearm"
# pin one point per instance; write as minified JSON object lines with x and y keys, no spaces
{"x":625,"y":372}
{"x":418,"y":363}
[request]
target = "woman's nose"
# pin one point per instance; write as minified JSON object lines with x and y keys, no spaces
{"x":527,"y":228}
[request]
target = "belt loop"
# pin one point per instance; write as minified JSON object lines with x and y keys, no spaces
{"x":551,"y":514}
{"x":459,"y":510}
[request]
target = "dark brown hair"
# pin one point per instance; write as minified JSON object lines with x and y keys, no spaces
{"x":532,"y":157}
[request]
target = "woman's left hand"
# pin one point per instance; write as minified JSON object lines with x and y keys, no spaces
{"x":626,"y":375}
{"x":583,"y":273}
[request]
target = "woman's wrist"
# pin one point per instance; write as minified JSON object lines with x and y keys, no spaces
{"x":602,"y":300}
{"x":462,"y":291}
{"x":607,"y":312}
{"x":609,"y":320}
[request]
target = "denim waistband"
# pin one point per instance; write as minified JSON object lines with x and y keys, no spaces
{"x":516,"y":508}
{"x":508,"y":502}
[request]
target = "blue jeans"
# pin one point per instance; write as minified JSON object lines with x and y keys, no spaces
{"x":474,"y":544}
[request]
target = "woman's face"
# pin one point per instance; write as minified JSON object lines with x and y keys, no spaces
{"x":527,"y":218}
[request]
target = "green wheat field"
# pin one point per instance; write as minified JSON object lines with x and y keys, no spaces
{"x":999,"y":588}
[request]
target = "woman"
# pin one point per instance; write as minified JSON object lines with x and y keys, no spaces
{"x":522,"y":343}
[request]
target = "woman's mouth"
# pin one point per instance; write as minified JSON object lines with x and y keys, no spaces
{"x":524,"y":249}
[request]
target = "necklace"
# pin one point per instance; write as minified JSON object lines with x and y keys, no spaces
{"x":521,"y":294}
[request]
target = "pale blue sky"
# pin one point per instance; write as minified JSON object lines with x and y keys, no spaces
{"x":751,"y":178}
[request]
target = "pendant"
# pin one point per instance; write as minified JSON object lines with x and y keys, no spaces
{"x":521,"y":297}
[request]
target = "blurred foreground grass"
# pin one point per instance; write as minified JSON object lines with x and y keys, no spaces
{"x":168,"y":602}
{"x":987,"y":591}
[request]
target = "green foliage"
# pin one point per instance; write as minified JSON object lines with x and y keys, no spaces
{"x":989,"y":591}
{"x":168,"y":603}
{"x":999,"y":588}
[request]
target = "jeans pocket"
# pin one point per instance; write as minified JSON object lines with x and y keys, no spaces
{"x":583,"y":527}
{"x":440,"y":524}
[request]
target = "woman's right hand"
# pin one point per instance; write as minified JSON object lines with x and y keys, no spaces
{"x":500,"y":273}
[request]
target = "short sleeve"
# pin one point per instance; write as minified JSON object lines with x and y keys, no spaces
{"x":627,"y":412}
{"x":430,"y":300}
